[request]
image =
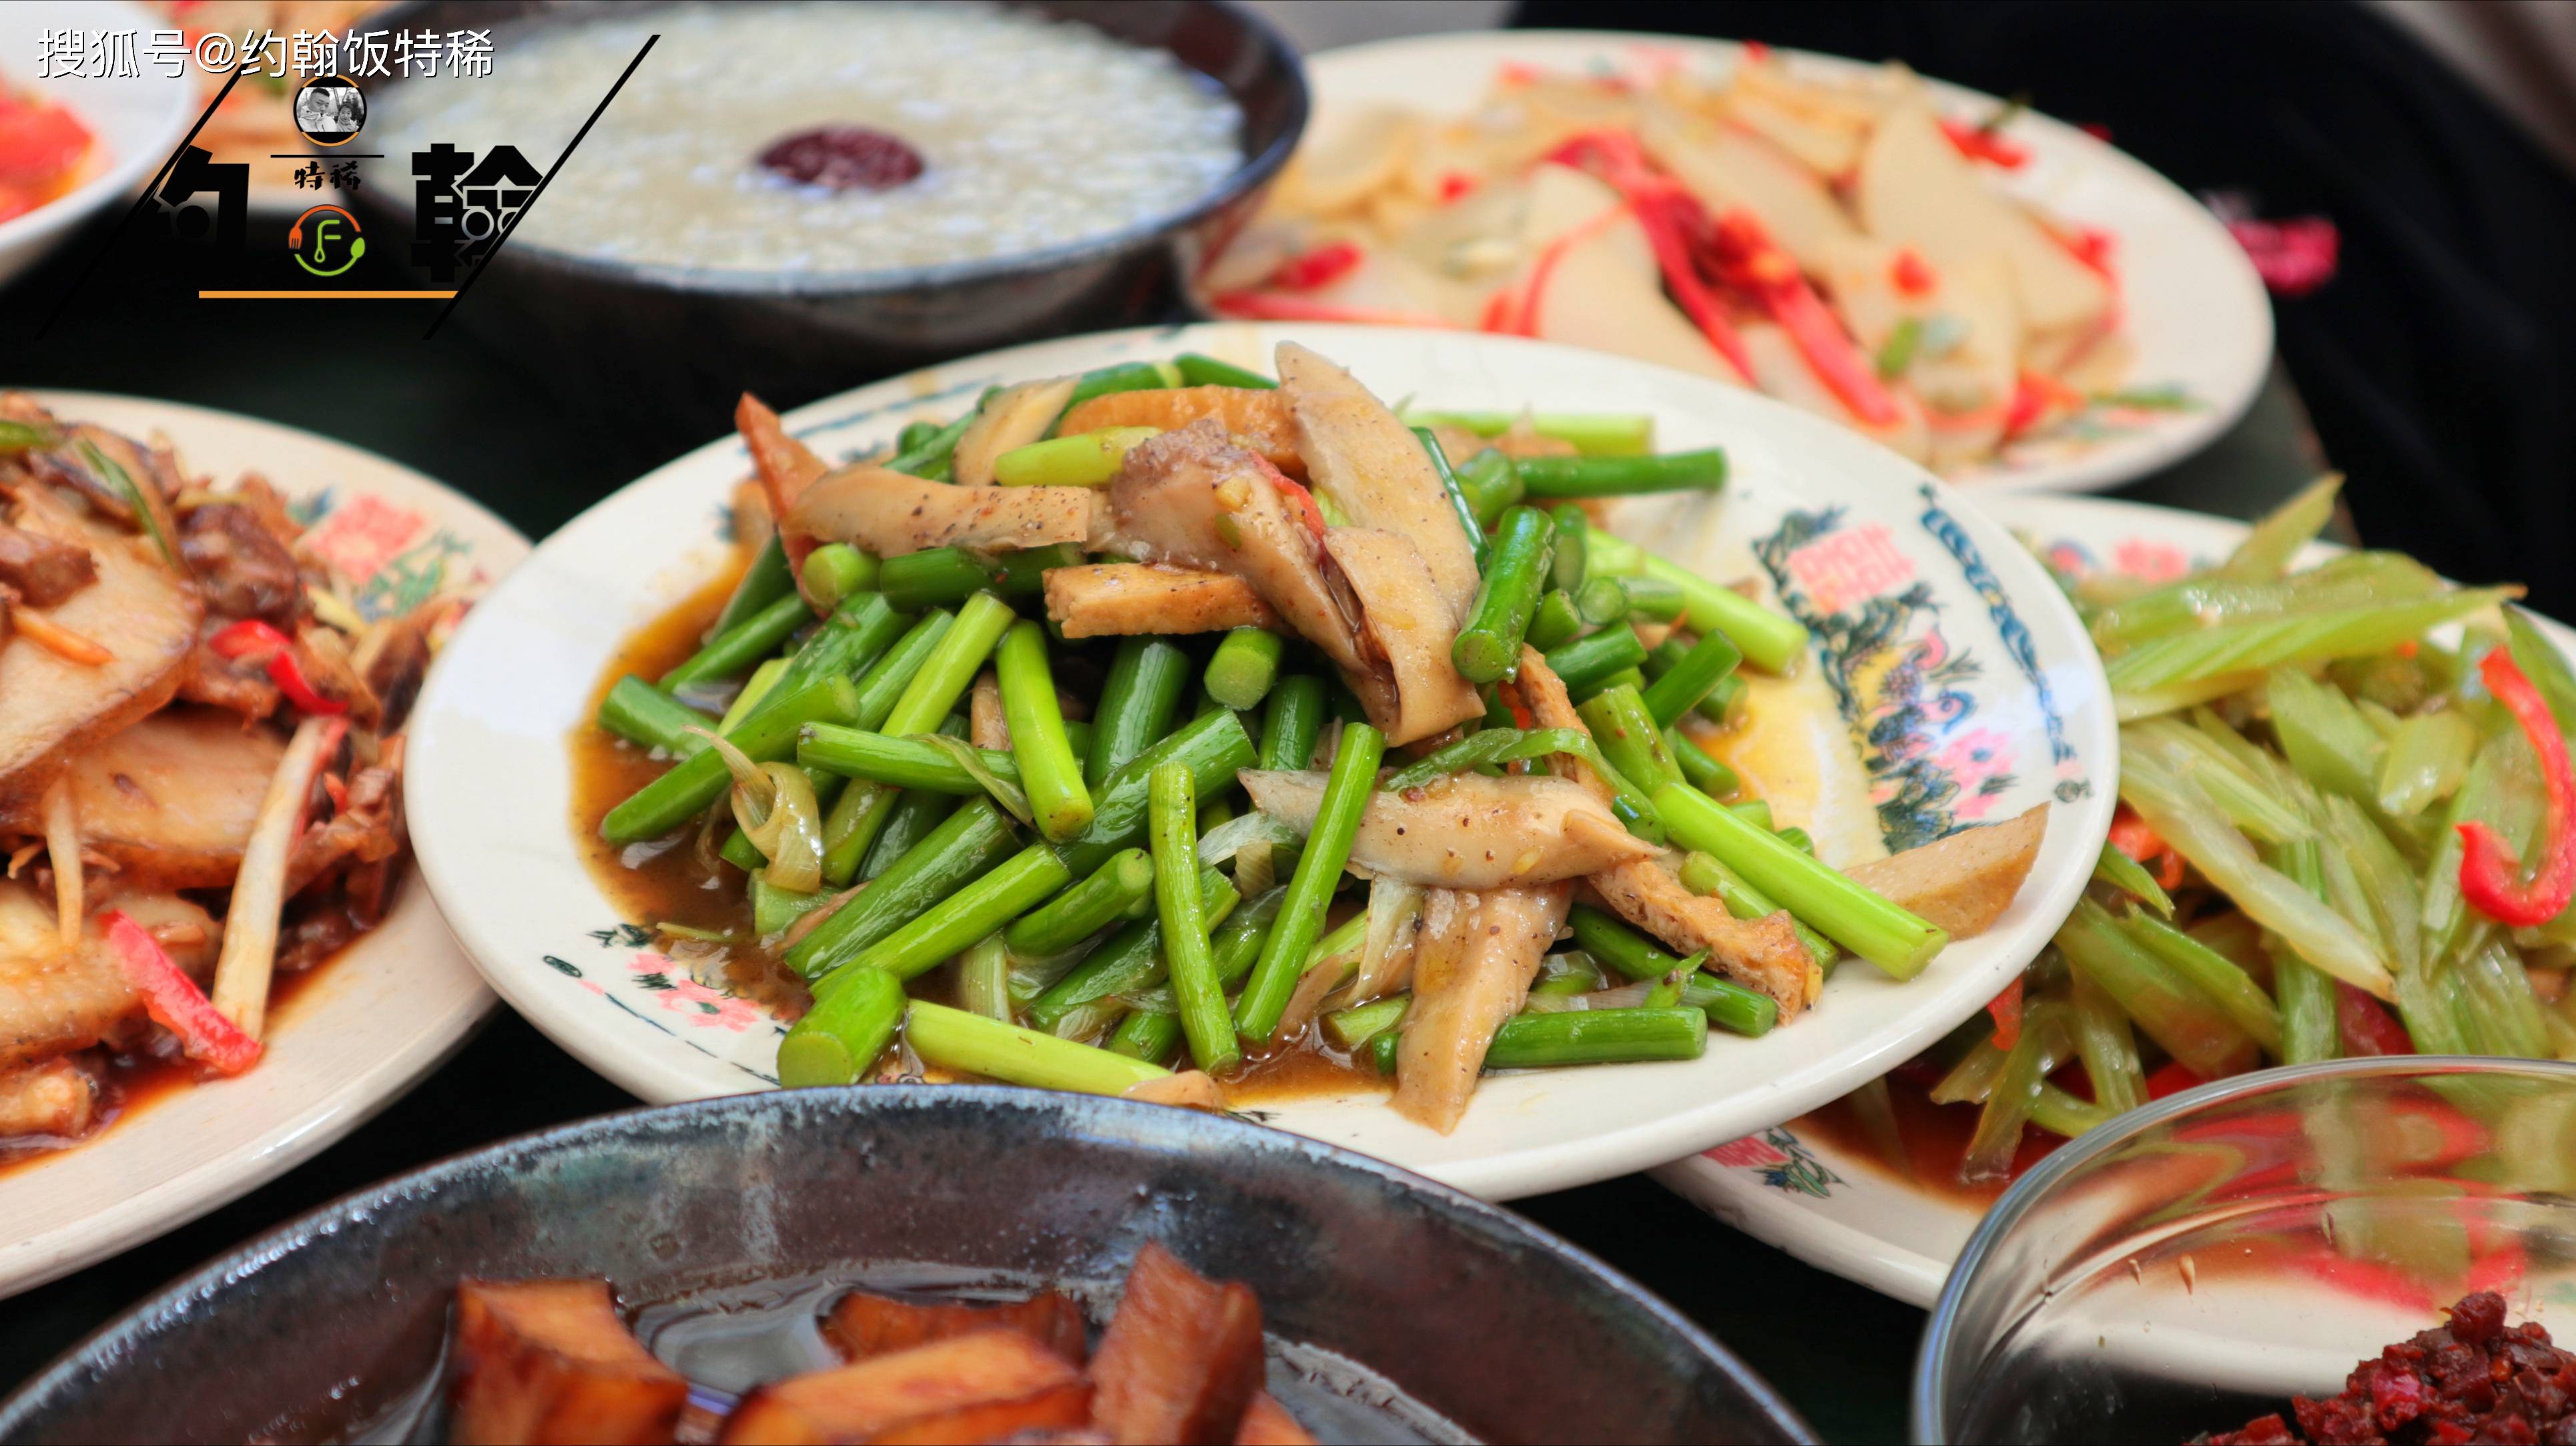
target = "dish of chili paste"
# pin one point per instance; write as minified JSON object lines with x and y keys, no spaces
{"x":2476,"y":1379}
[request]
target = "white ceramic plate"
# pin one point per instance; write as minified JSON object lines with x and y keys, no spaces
{"x":1797,"y":1189}
{"x":137,"y":120}
{"x":2197,"y":313}
{"x":1984,"y":688}
{"x":386,"y":1010}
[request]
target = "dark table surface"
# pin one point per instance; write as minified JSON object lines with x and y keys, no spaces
{"x":361,"y":372}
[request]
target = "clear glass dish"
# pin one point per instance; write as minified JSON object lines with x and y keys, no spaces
{"x":2194,"y":1264}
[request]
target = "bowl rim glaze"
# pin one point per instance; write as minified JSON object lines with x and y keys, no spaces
{"x":121,"y":1346}
{"x":1931,"y":1386}
{"x":1252,"y":173}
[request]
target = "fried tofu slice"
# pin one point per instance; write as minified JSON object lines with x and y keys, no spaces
{"x":1962,"y":883}
{"x":866,"y":1399}
{"x":1182,"y":1358}
{"x":1122,"y":599}
{"x":865,"y":1325}
{"x":540,"y":1362}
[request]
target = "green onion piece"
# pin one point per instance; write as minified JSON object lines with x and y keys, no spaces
{"x":1245,"y":663}
{"x":1205,"y":1021}
{"x":840,"y":1037}
{"x":1319,"y":873}
{"x":1086,"y":459}
{"x":836,"y":571}
{"x":971,"y":1044}
{"x":1877,"y":930}
{"x":1198,"y":369}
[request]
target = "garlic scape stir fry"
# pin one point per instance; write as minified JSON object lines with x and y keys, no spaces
{"x":201,"y":758}
{"x":2348,"y":827}
{"x":1172,"y":715}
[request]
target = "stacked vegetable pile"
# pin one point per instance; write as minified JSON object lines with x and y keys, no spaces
{"x":2334,"y":782}
{"x":918,"y":775}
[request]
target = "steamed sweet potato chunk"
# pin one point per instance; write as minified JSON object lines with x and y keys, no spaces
{"x":866,"y":1399}
{"x":1182,"y":1357}
{"x":547,"y":1361}
{"x":865,"y":1325}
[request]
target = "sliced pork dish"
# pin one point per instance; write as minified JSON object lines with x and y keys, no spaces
{"x":201,"y":757}
{"x":1178,"y":731}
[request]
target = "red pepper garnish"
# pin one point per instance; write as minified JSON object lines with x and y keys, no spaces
{"x":1670,"y":217}
{"x":2006,"y":1008}
{"x":1454,"y":185}
{"x":1273,"y":306}
{"x":1514,"y":72}
{"x":2131,"y":835}
{"x":1298,"y":497}
{"x":2487,"y":869}
{"x":175,"y":1002}
{"x":1748,"y":259}
{"x":1912,"y":274}
{"x":1978,"y":143}
{"x":2172,"y":1079}
{"x":274,"y":651}
{"x":2367,"y":1026}
{"x":1322,"y":266}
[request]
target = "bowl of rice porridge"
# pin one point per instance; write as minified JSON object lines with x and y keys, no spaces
{"x":797,"y":196}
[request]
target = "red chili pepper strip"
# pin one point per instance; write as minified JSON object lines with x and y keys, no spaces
{"x":1669,"y":215}
{"x":175,"y":1002}
{"x":251,"y":638}
{"x":1749,"y":260}
{"x":2487,"y":868}
{"x":2131,"y":835}
{"x":1980,"y":144}
{"x":2172,"y":1079}
{"x":1298,"y":497}
{"x":1273,"y":306}
{"x":1322,"y":266}
{"x":2367,"y":1026}
{"x":2006,"y":1008}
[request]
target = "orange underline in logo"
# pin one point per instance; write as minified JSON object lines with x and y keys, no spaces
{"x":319,"y":295}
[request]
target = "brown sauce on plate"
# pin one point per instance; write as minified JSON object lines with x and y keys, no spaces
{"x":664,"y":882}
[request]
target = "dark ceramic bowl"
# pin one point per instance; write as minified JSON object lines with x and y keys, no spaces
{"x":1508,"y":1332}
{"x":669,"y":350}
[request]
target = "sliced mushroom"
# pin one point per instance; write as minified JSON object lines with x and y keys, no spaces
{"x":1362,"y":456}
{"x":1014,"y":417}
{"x":1465,"y":832}
{"x":1194,"y":499}
{"x":1404,"y":615}
{"x":891,"y":513}
{"x":1464,"y":987}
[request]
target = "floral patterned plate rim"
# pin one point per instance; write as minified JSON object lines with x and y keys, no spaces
{"x":386,"y":1010}
{"x":2197,"y":313}
{"x":1802,"y":1191}
{"x":1970,"y":690}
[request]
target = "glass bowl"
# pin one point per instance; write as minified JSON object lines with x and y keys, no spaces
{"x":2195,"y":1263}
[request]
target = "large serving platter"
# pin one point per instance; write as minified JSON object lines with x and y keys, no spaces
{"x":1941,"y":639}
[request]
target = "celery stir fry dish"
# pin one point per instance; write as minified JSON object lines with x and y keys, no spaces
{"x":1170,"y":717}
{"x":2347,"y":827}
